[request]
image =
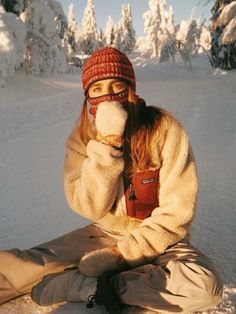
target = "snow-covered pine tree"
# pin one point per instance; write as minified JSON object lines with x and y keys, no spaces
{"x":101,"y":39}
{"x":44,"y":51}
{"x":125,"y":36}
{"x":193,"y":36}
{"x":61,"y":32}
{"x":89,"y":41}
{"x":168,"y":44}
{"x":9,"y":5}
{"x":15,"y":6}
{"x":152,"y":20}
{"x":158,"y":25}
{"x":223,"y":34}
{"x":109,"y":32}
{"x":205,"y":39}
{"x":59,"y":17}
{"x":188,"y":35}
{"x":74,"y":31}
{"x":12,"y":43}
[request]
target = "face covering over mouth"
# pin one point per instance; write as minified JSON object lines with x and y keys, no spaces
{"x":121,"y":97}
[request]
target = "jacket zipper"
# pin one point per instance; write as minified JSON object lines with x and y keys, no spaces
{"x":132,"y":196}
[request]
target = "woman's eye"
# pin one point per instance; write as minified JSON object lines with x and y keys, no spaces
{"x":119,"y":86}
{"x":96,"y":89}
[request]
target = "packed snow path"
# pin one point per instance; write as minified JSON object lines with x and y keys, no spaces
{"x":36,"y":115}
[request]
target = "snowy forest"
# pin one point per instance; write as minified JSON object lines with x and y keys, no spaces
{"x":38,"y":37}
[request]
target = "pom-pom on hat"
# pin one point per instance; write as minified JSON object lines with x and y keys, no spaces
{"x":107,"y":63}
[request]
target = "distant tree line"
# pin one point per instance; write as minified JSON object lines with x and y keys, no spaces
{"x":38,"y":37}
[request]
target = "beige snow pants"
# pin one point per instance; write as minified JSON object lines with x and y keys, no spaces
{"x":182,"y":280}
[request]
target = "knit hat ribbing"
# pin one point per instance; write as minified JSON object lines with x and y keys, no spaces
{"x":107,"y":63}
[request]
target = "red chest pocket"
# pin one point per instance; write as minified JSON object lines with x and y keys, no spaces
{"x":141,"y":193}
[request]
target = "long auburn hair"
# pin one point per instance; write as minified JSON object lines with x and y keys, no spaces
{"x":141,"y":126}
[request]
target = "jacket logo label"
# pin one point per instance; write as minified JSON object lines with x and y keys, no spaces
{"x":149,"y":180}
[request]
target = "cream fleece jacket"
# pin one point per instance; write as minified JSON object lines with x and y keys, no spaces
{"x":92,"y":177}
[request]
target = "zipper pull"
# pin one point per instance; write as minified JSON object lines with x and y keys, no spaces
{"x":132,"y":196}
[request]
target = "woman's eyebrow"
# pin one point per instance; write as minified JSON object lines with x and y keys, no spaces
{"x":96,"y":84}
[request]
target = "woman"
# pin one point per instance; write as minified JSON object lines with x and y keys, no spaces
{"x":129,"y":168}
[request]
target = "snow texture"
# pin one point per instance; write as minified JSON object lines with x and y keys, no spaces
{"x":227,"y":14}
{"x":229,"y":34}
{"x":227,"y":18}
{"x":37,"y":114}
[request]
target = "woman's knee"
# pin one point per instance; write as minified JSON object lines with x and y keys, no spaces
{"x":185,"y":286}
{"x":201,"y":284}
{"x":20,"y":269}
{"x":213,"y":289}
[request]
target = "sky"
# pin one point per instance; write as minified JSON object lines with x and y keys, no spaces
{"x":104,"y":8}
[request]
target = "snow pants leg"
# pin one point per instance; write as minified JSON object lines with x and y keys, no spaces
{"x":182,"y":280}
{"x":20,"y":270}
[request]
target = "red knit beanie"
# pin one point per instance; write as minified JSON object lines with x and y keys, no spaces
{"x":107,"y":63}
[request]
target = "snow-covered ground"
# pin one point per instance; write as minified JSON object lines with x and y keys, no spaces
{"x":36,"y":115}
